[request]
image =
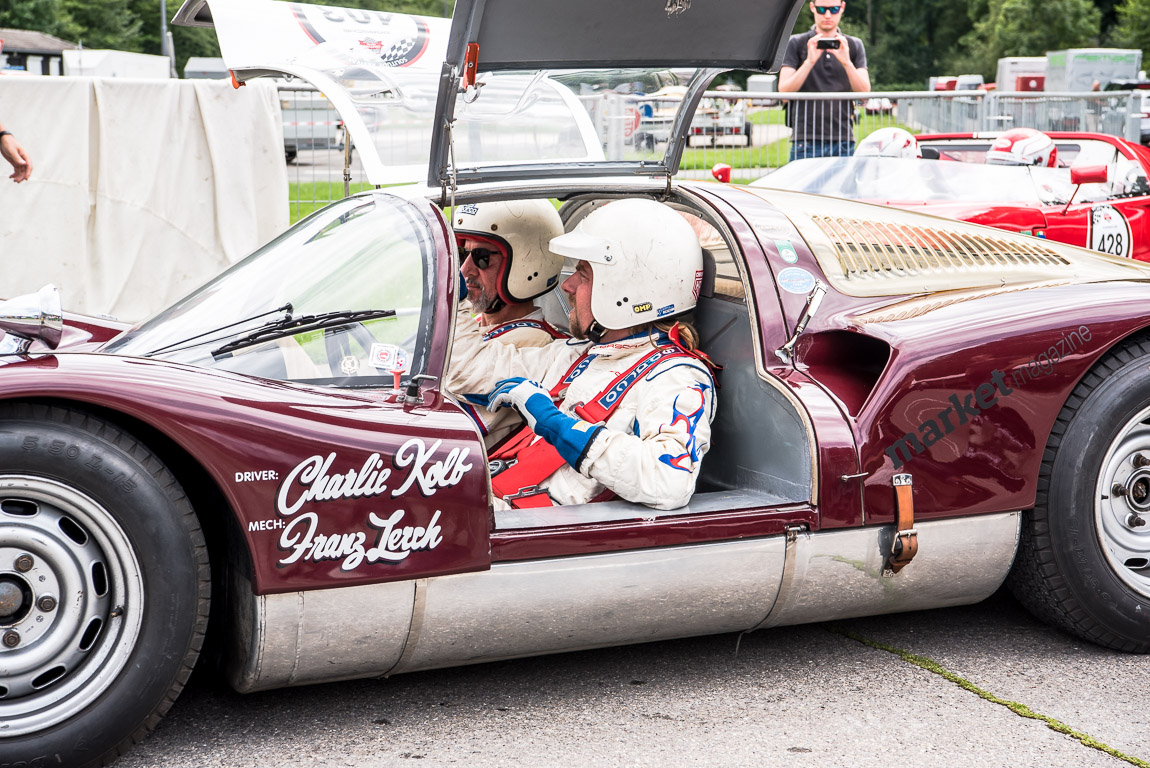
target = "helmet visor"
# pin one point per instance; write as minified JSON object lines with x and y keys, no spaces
{"x":580,"y":246}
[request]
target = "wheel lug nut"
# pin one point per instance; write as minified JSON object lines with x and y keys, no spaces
{"x":11,"y":638}
{"x":24,"y":563}
{"x":46,"y":603}
{"x":1118,"y":489}
{"x":1139,"y":460}
{"x":1135,"y":521}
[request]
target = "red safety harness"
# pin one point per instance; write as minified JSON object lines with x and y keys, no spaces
{"x":522,"y":462}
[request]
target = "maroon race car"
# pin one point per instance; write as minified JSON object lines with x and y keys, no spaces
{"x":912,"y":410}
{"x":1098,"y":197}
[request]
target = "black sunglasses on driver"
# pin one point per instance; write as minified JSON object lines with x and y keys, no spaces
{"x":481,"y":256}
{"x":825,"y":9}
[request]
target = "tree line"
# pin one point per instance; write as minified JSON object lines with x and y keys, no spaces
{"x":907,"y":40}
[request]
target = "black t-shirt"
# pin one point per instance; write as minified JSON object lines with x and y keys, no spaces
{"x":822,"y":120}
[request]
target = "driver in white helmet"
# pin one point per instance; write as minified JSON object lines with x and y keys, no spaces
{"x":504,"y":262}
{"x":625,"y":410}
{"x":889,"y":142}
{"x":1023,"y":146}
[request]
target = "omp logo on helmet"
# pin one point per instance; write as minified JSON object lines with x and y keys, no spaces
{"x":644,"y":307}
{"x":469,"y":210}
{"x":698,"y":284}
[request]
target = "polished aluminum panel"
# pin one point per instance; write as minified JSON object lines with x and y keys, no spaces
{"x":300,"y":638}
{"x":573,"y":603}
{"x":565,"y":604}
{"x":838,"y":574}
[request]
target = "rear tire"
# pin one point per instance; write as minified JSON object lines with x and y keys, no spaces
{"x":104,"y":588}
{"x":1082,"y":561}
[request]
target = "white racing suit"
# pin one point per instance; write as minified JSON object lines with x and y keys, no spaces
{"x":527,"y":331}
{"x":654,"y":441}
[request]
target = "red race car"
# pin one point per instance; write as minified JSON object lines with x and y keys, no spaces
{"x":912,"y":410}
{"x":1097,"y":197}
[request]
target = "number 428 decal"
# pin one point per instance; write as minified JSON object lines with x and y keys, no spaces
{"x":1109,"y":231}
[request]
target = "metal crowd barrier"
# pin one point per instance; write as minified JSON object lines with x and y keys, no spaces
{"x":750,"y":131}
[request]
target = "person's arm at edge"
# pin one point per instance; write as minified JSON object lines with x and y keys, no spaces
{"x":16,"y":156}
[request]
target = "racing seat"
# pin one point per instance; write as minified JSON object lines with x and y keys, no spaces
{"x":759,"y":444}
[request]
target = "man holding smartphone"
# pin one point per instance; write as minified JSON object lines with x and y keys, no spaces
{"x":823,"y":59}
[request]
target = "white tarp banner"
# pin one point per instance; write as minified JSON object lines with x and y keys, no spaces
{"x":141,"y":189}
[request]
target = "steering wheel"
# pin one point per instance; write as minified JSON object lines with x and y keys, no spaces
{"x":337,"y":344}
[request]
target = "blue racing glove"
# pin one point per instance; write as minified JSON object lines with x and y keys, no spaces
{"x":462,"y":286}
{"x":570,"y":436}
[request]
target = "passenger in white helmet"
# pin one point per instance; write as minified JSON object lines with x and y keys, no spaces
{"x":1023,"y":146}
{"x":889,"y":142}
{"x":505,"y":263}
{"x":625,"y":410}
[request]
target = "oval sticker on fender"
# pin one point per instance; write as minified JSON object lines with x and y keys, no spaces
{"x":1108,"y":231}
{"x":796,"y":280}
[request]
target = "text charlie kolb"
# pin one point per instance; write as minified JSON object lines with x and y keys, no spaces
{"x":965,"y":406}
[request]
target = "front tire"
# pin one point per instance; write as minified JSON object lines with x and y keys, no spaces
{"x":104,"y":588}
{"x":1083,"y":563}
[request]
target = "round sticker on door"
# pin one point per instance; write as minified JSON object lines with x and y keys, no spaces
{"x":796,"y":280}
{"x":1108,"y":231}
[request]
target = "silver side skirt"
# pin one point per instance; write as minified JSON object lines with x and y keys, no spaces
{"x":574,"y":603}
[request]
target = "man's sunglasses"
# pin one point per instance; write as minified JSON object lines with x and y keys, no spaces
{"x":480,"y":257}
{"x":825,"y":9}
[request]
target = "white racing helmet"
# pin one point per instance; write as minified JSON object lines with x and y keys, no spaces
{"x":645,"y":260}
{"x":1023,"y":146}
{"x":889,"y":142}
{"x":522,"y":229}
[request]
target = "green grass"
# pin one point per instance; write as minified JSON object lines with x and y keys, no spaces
{"x":766,"y":116}
{"x":704,"y":158}
{"x":303,"y":198}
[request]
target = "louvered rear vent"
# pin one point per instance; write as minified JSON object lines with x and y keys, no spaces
{"x":875,"y":249}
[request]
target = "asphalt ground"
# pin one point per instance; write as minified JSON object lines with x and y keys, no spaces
{"x":985,"y":685}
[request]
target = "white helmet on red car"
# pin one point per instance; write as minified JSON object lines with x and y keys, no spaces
{"x":521,"y":229}
{"x":645,"y":259}
{"x":889,"y":142}
{"x":1023,"y":146}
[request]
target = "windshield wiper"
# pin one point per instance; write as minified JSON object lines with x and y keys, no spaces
{"x":287,"y":308}
{"x":290,"y":326}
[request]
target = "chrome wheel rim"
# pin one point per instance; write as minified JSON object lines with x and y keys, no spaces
{"x":71,"y":602}
{"x":1122,"y":504}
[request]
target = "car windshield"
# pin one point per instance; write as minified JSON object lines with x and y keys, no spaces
{"x":885,"y":180}
{"x":340,"y":299}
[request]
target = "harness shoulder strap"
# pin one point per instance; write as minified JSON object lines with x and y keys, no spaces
{"x":512,"y":325}
{"x":604,"y":404}
{"x":536,"y":460}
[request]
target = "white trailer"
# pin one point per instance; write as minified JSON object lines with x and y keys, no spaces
{"x":1078,"y":69}
{"x":1010,"y":68}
